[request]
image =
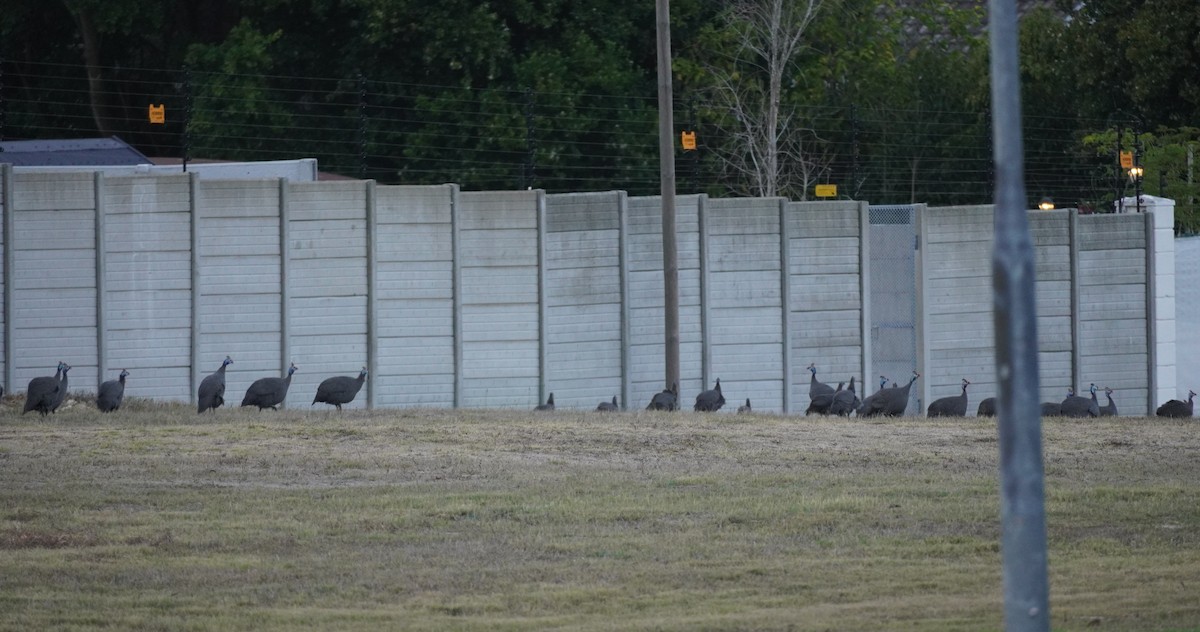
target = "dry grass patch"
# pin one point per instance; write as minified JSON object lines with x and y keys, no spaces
{"x":156,"y":517}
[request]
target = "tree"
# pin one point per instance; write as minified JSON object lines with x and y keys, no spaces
{"x":765,"y":150}
{"x":1168,"y":157}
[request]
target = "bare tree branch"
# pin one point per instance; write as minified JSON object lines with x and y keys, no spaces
{"x":768,"y":153}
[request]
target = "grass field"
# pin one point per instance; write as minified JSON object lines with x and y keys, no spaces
{"x":155,"y":518}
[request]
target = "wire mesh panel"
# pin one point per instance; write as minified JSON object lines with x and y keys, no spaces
{"x":893,"y":298}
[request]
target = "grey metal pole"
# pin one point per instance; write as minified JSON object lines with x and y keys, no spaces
{"x":1022,"y":493}
{"x":666,"y":156}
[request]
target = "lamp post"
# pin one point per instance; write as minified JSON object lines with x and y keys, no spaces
{"x":1046,"y":204}
{"x":1136,"y":172}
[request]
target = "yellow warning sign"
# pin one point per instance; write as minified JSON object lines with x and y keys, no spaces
{"x":689,"y":140}
{"x":826,"y":190}
{"x":158,"y":114}
{"x":1126,"y":159}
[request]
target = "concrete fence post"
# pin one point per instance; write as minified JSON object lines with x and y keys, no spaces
{"x":785,"y":304}
{"x":456,"y":297}
{"x":543,"y":367}
{"x":705,"y":339}
{"x":6,"y":204}
{"x":623,"y":271}
{"x":101,"y":294}
{"x":864,"y":293}
{"x":921,"y":276}
{"x":372,"y":293}
{"x":1076,"y":327}
{"x":285,"y":255}
{"x":194,"y":205}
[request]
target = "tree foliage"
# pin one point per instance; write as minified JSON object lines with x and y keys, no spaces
{"x":888,"y":98}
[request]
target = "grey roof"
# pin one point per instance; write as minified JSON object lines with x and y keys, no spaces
{"x":70,"y":152}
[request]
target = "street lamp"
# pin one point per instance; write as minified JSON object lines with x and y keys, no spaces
{"x":1136,"y":173}
{"x":1046,"y":204}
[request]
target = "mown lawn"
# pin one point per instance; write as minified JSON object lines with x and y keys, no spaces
{"x":155,"y":518}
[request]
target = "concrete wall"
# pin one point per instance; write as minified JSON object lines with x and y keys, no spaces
{"x":499,"y":298}
{"x":584,"y":290}
{"x":1112,"y":307}
{"x":414,"y":311}
{"x":1092,"y":290}
{"x":327,"y":254}
{"x":645,"y":298}
{"x":744,"y":304}
{"x":1187,"y":317}
{"x":146,"y":284}
{"x":500,"y":256}
{"x":828,"y":303}
{"x":53,"y":310}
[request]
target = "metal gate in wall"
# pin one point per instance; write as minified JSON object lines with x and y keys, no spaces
{"x":893,"y":235}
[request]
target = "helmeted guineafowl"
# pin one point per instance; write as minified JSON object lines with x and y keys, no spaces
{"x":608,"y":406}
{"x":1051,"y":409}
{"x":112,"y":393}
{"x":889,"y":402}
{"x":1076,"y":406}
{"x":211,"y":393}
{"x":821,"y":403}
{"x":987,"y":407}
{"x":61,"y":395}
{"x":711,"y":400}
{"x":549,"y":405}
{"x":42,"y":391}
{"x":845,"y":401}
{"x":745,"y":408}
{"x":340,"y":389}
{"x":1109,"y":409}
{"x":269,"y":392}
{"x":1176,"y":408}
{"x":955,"y":406}
{"x":815,"y":387}
{"x":667,"y":399}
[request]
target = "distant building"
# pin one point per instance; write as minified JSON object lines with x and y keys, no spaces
{"x":114,"y":156}
{"x":70,"y":153}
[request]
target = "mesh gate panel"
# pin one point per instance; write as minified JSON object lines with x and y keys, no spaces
{"x":893,"y":298}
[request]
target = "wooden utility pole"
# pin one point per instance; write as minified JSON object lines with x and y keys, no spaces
{"x":666,"y":156}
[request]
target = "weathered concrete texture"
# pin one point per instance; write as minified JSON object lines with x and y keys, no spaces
{"x":414,"y":270}
{"x":147,"y":282}
{"x":745,"y":300}
{"x":1112,"y":288}
{"x":327,"y":286}
{"x":584,"y":294}
{"x":499,"y":258}
{"x":53,"y":311}
{"x":645,"y":308}
{"x":956,"y":260}
{"x":823,"y":257}
{"x":498,"y":298}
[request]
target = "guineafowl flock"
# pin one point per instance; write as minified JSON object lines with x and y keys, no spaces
{"x":45,"y":394}
{"x":892,"y":402}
